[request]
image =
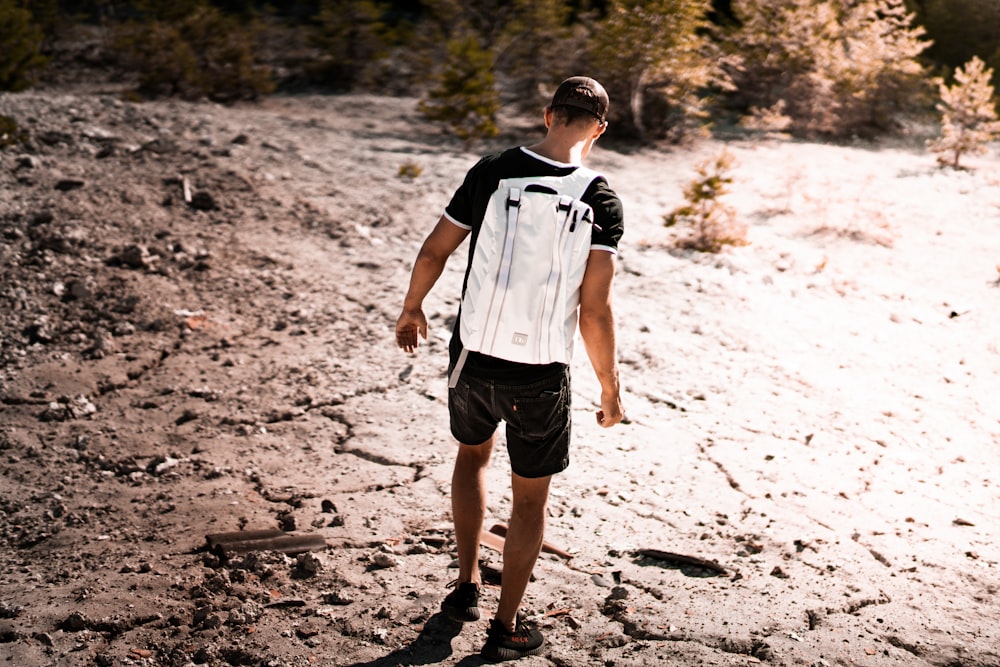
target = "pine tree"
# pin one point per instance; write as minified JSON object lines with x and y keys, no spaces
{"x":655,"y":46}
{"x":353,"y":38}
{"x":872,"y":66}
{"x":465,"y":96}
{"x":537,"y":35}
{"x":533,"y":44}
{"x":447,"y":20}
{"x":20,"y":44}
{"x":842,"y":67}
{"x":969,"y":116}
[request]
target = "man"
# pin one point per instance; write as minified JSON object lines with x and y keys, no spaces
{"x":533,"y":399}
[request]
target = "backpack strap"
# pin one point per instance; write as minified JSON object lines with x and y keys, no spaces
{"x":507,"y":253}
{"x":513,"y":205}
{"x":583,"y":177}
{"x":459,"y":365}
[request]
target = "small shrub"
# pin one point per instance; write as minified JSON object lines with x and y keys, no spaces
{"x":20,"y":43}
{"x":711,"y":223}
{"x":535,"y":34}
{"x":465,"y":96}
{"x":969,"y":117}
{"x":10,"y":133}
{"x":353,"y":40}
{"x":410,"y":170}
{"x":657,"y":62}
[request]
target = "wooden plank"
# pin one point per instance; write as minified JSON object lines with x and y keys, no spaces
{"x":289,"y":544}
{"x":491,"y":540}
{"x":501,"y":530}
{"x":215,"y":539}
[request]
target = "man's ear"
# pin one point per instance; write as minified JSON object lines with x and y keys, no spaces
{"x":601,"y":127}
{"x":547,"y":116}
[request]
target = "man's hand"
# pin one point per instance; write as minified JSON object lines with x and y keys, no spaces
{"x":427,"y":268}
{"x":409,"y":324}
{"x":611,"y":411}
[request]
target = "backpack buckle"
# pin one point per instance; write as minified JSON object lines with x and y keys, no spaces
{"x":514,"y":198}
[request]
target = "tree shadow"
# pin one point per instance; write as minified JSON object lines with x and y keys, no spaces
{"x":432,"y":645}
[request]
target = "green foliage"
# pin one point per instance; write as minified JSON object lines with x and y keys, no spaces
{"x":533,"y":44}
{"x":842,"y":67}
{"x":204,"y":54}
{"x":536,"y":35}
{"x":711,"y":224}
{"x":465,"y":95}
{"x":442,"y":23}
{"x":10,"y":133}
{"x":47,"y":16}
{"x":969,"y":116}
{"x":20,"y":47}
{"x":454,"y":19}
{"x":354,"y":42}
{"x":647,"y":48}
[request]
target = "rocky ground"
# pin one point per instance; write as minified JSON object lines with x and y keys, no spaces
{"x":197,"y":306}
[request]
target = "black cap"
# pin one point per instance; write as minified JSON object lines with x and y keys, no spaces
{"x":584,"y":93}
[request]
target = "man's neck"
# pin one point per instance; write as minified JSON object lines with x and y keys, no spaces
{"x":559,"y":151}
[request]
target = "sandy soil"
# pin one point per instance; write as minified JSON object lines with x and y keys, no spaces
{"x":814,"y":416}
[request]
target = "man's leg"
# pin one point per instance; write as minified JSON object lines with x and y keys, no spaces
{"x":468,"y":505}
{"x":523,"y":543}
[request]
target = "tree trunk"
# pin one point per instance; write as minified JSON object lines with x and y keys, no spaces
{"x":636,"y":103}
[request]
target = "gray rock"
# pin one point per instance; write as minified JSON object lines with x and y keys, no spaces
{"x":135,"y":256}
{"x":75,"y":622}
{"x":308,"y":564}
{"x":203,"y":201}
{"x":247,"y":613}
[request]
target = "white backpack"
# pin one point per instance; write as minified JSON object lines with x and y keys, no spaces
{"x":521,"y":299}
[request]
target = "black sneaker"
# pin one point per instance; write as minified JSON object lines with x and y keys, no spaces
{"x":502,"y":644}
{"x":462,"y":604}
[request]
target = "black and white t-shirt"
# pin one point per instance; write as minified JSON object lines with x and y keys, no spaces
{"x":468,"y":207}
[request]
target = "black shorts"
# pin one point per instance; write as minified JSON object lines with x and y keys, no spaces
{"x":537,"y":417}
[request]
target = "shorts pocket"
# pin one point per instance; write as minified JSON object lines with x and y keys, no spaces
{"x":458,"y":397}
{"x":539,"y":416}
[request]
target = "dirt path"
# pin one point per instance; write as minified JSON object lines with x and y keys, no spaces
{"x":814,"y":414}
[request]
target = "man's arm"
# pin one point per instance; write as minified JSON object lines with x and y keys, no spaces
{"x":597,"y":328}
{"x":443,"y":240}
